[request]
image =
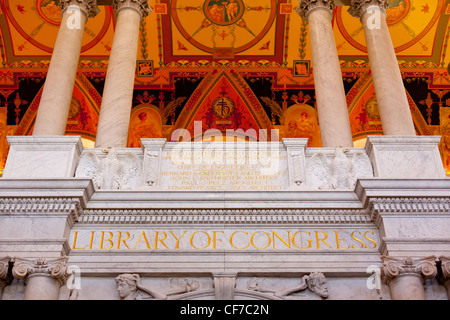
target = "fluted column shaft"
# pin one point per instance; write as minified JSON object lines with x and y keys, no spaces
{"x":330,"y":94}
{"x":405,"y":277}
{"x":43,"y":278}
{"x":51,"y":118}
{"x":390,"y":91}
{"x":117,"y":98}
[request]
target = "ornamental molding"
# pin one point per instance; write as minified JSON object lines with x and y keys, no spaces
{"x":359,"y":7}
{"x":305,"y":7}
{"x":141,"y":6}
{"x":65,"y":206}
{"x":225,"y":216}
{"x":407,"y":205}
{"x":424,"y":268}
{"x":88,"y":7}
{"x":26,"y":268}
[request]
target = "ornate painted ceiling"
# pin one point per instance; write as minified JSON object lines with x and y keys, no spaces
{"x":192,"y":58}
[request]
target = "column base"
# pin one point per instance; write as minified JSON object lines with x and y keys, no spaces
{"x":32,"y":157}
{"x":405,"y":157}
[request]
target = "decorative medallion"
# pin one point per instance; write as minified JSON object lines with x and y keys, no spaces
{"x":223,"y":107}
{"x":223,"y":12}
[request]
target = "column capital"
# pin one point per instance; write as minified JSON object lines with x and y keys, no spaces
{"x":88,"y":7}
{"x":55,"y":268}
{"x":359,"y":7}
{"x":424,"y":268}
{"x":140,"y":6}
{"x":5,"y":276}
{"x":305,"y":7}
{"x":445,"y":268}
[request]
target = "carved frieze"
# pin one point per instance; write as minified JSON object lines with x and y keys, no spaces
{"x":56,"y":268}
{"x":424,"y":268}
{"x":305,"y":6}
{"x":359,"y":7}
{"x":140,"y":6}
{"x":316,"y":282}
{"x":340,"y":172}
{"x":130,"y":287}
{"x":89,"y":7}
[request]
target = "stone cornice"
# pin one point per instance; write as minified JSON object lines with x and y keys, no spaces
{"x":305,"y":7}
{"x":359,"y":7}
{"x":141,"y":6}
{"x":88,"y":7}
{"x":56,"y":268}
{"x":424,"y":268}
{"x":225,"y":216}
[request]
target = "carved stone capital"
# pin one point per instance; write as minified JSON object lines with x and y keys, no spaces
{"x":88,"y":7}
{"x":359,"y":7}
{"x":424,"y":268}
{"x":55,"y":268}
{"x":5,"y":276}
{"x":445,"y":269}
{"x":140,"y":6}
{"x":305,"y":7}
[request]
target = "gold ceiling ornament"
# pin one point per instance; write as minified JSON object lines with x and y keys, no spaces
{"x":140,"y":6}
{"x":306,"y":6}
{"x":359,"y":7}
{"x":88,"y":7}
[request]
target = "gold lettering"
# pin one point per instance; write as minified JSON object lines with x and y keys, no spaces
{"x":268,"y":237}
{"x":309,"y":241}
{"x":92,"y":239}
{"x":139,"y":240}
{"x":178,"y":239}
{"x":160,"y":240}
{"x":323,"y":240}
{"x":287,"y":244}
{"x":359,"y":240}
{"x":120,"y":239}
{"x":371,"y":240}
{"x":103,"y":239}
{"x":215,"y":239}
{"x":75,"y":241}
{"x":192,"y":237}
{"x":231,"y":240}
{"x":338,"y":239}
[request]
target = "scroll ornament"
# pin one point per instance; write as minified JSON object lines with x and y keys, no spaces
{"x":392,"y":268}
{"x":57,"y":268}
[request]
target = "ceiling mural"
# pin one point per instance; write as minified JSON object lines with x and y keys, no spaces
{"x":231,"y":64}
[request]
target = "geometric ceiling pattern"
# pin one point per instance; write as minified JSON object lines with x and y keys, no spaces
{"x":194,"y":55}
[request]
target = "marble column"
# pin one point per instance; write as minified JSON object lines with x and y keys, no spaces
{"x":445,"y":273}
{"x":406,"y":277}
{"x":51,"y":118}
{"x":390,"y":91}
{"x":4,"y":274}
{"x":43,"y":278}
{"x":330,"y":94}
{"x":117,"y":98}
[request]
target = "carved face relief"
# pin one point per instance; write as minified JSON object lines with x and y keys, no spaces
{"x":317,"y":283}
{"x":126,"y":290}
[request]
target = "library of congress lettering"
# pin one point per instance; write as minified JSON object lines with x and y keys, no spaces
{"x":225,"y":150}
